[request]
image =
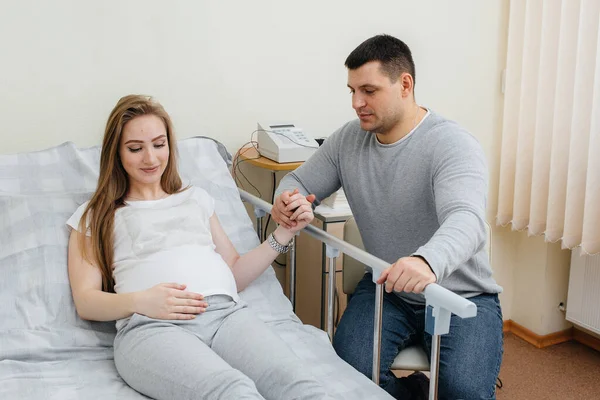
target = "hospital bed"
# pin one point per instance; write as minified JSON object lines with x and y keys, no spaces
{"x":48,"y":352}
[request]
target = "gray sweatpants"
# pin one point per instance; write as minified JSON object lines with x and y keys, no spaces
{"x":225,"y":353}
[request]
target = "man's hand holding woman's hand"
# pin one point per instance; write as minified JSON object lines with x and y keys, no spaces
{"x":169,"y":301}
{"x":293,"y":209}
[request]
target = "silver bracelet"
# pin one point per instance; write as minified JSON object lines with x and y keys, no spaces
{"x":278,"y":247}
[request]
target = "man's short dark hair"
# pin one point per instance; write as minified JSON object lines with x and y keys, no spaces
{"x":393,"y":54}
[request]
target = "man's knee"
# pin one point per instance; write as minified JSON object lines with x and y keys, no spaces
{"x":352,"y":350}
{"x":353,"y":339}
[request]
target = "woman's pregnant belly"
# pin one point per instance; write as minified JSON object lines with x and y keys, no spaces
{"x":200,"y":268}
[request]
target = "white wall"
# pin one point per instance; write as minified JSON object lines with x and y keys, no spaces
{"x":541,"y":276}
{"x":220,"y":66}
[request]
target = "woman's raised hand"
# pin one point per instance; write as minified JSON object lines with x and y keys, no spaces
{"x":301,"y":208}
{"x":169,"y":301}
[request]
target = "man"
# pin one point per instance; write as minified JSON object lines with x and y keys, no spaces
{"x":417,"y":184}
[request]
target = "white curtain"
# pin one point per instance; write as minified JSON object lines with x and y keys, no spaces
{"x":550,"y":160}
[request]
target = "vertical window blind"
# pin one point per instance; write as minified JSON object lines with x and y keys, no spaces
{"x":550,"y":156}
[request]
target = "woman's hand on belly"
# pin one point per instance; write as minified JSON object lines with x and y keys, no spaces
{"x":169,"y":301}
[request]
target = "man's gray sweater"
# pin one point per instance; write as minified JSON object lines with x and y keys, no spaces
{"x":423,"y":195}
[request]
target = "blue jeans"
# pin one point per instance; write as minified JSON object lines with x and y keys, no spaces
{"x":470,"y":355}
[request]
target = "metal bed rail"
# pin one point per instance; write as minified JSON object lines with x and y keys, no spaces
{"x":441,"y":303}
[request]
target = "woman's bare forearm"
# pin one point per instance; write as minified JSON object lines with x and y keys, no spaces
{"x":252,"y":264}
{"x":96,"y":305}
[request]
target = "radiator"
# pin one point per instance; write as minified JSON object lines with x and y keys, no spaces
{"x":583,"y":299}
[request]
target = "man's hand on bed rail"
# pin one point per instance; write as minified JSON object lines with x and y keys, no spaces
{"x":408,"y":274}
{"x":169,"y":301}
{"x":285,"y":208}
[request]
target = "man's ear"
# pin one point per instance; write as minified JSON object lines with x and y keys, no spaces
{"x":407,"y":82}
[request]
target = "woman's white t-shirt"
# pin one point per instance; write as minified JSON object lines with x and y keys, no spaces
{"x":167,"y":240}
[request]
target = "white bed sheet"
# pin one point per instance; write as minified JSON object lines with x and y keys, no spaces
{"x":46,"y":350}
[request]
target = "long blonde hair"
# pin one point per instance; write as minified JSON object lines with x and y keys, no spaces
{"x":113,"y":182}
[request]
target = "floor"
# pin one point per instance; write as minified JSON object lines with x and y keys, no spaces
{"x":567,"y":371}
{"x":564,"y":371}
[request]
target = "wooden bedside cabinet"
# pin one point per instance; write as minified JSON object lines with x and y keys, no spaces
{"x":312,"y":270}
